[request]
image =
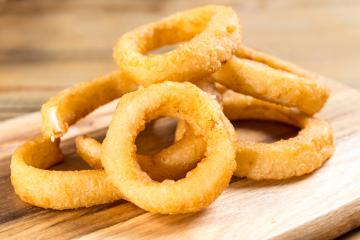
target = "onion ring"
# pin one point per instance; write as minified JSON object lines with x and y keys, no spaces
{"x":56,"y":189}
{"x":270,"y":79}
{"x":74,"y":103}
{"x":283,"y":159}
{"x":201,"y":185}
{"x":170,"y":163}
{"x":296,"y":156}
{"x":212,"y":34}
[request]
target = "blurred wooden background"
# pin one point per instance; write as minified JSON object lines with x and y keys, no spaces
{"x":46,"y":46}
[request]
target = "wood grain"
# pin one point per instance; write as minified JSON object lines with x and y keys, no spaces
{"x":322,"y":205}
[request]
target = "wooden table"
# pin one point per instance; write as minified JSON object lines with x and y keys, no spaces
{"x":47,"y":46}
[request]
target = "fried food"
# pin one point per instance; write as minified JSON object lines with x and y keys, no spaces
{"x":208,"y":35}
{"x":267,"y":78}
{"x":170,"y":163}
{"x":74,"y":103}
{"x":190,"y":174}
{"x":201,"y":185}
{"x":297,"y":156}
{"x":56,"y":189}
{"x":74,"y":189}
{"x":283,"y":159}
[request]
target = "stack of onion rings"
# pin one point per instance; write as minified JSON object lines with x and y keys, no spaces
{"x":56,"y":189}
{"x":191,"y":173}
{"x":280,"y":160}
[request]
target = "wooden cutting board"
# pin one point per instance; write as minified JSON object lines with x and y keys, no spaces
{"x":321,"y":205}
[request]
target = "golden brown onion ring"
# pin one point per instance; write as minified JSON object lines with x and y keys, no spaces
{"x":56,"y":189}
{"x":210,"y":35}
{"x":74,"y":103}
{"x":283,"y":159}
{"x":202,"y":184}
{"x":296,"y":156}
{"x":170,"y":163}
{"x":267,"y":78}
